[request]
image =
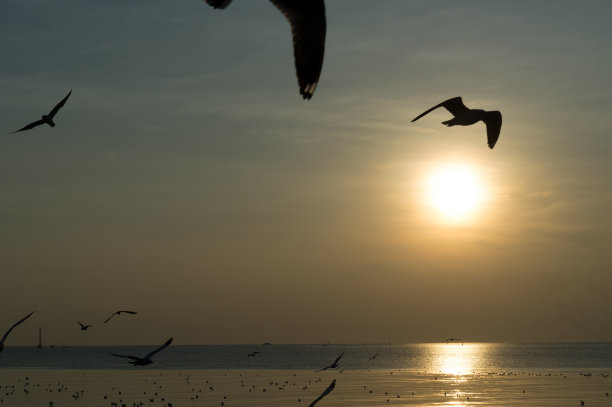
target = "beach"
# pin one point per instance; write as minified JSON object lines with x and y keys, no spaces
{"x":272,"y":388}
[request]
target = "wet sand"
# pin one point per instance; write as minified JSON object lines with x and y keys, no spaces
{"x":276,"y":388}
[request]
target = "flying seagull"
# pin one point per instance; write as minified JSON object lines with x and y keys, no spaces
{"x":308,"y":25}
{"x":46,"y":118}
{"x":11,"y":328}
{"x":136,"y":361}
{"x":84,"y":327}
{"x":333,"y":365}
{"x":117,"y":313}
{"x":252,"y":354}
{"x":374,"y":356}
{"x":325,"y":393}
{"x":466,"y":117}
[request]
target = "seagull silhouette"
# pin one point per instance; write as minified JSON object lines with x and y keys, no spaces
{"x":46,"y":118}
{"x":117,"y":313}
{"x":308,"y":26}
{"x":466,"y":117}
{"x":333,"y":365}
{"x":11,"y":328}
{"x":84,"y":327}
{"x":252,"y":354}
{"x":374,"y":356}
{"x":136,"y":361}
{"x":325,"y":393}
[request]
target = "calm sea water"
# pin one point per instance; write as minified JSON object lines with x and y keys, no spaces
{"x":452,"y":358}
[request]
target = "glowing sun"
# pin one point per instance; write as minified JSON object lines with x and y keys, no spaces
{"x":455,"y":191}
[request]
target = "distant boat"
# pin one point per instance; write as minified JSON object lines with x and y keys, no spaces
{"x":40,"y":345}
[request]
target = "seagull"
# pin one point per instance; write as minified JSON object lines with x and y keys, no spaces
{"x":117,"y":313}
{"x":333,"y":365}
{"x":252,"y":354}
{"x":374,"y":356}
{"x":308,"y":26}
{"x":46,"y":118}
{"x":136,"y":361}
{"x":465,"y":117}
{"x":84,"y":327}
{"x":325,"y":393}
{"x":11,"y":328}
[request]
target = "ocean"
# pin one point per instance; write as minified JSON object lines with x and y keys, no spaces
{"x":443,"y":358}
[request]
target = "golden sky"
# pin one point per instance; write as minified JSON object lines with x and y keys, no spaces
{"x":187,"y":179}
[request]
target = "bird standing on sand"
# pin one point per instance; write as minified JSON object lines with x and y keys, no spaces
{"x":325,"y":393}
{"x":46,"y":118}
{"x":333,"y":365}
{"x":465,"y":117}
{"x":136,"y":361}
{"x":11,"y":328}
{"x":84,"y":327}
{"x":308,"y":27}
{"x":119,"y":312}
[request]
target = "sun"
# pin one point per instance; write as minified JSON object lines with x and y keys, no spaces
{"x":455,"y":191}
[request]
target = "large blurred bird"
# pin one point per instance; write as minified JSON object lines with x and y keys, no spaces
{"x":308,"y":26}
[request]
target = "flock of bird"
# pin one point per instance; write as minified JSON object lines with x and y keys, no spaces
{"x":146,"y":360}
{"x":83,"y":327}
{"x":308,"y":28}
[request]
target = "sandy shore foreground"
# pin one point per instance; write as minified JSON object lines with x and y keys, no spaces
{"x":272,"y":388}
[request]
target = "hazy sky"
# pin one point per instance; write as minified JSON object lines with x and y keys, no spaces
{"x":187,"y":179}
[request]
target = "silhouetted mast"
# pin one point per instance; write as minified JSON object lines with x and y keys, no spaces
{"x":39,"y":338}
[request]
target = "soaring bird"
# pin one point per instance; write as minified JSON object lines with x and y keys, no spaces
{"x":374,"y":356}
{"x":84,"y":327}
{"x":46,"y":118}
{"x":325,"y":393}
{"x":136,"y":361}
{"x":333,"y":365}
{"x":308,"y":26}
{"x":119,"y":312}
{"x":252,"y":354}
{"x":466,"y":117}
{"x":11,"y":328}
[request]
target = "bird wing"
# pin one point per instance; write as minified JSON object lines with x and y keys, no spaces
{"x":493,"y":120}
{"x":308,"y":28}
{"x":164,"y":346}
{"x":454,"y":105}
{"x":126,"y":356}
{"x":127,"y":312}
{"x":82,"y":326}
{"x":219,"y":3}
{"x":30,"y":126}
{"x":59,"y":105}
{"x":325,"y":393}
{"x":338,"y":359}
{"x":14,"y":325}
{"x":109,"y":318}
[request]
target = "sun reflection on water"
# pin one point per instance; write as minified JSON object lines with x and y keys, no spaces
{"x":455,"y":359}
